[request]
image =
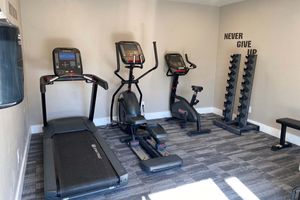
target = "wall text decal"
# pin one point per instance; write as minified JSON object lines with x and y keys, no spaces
{"x":241,"y":43}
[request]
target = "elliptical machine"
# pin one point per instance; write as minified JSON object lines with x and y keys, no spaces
{"x":179,"y":106}
{"x":148,"y":145}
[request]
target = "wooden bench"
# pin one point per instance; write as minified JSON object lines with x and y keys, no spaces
{"x":285,"y":122}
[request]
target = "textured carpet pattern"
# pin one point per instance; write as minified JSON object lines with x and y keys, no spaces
{"x":216,"y":157}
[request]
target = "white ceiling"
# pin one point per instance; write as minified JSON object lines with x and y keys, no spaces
{"x":210,"y":2}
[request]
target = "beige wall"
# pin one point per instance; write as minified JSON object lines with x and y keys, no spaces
{"x":274,"y":28}
{"x":93,"y":26}
{"x":13,"y":137}
{"x":2,"y":4}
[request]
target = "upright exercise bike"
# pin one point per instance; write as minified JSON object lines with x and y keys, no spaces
{"x":148,"y":145}
{"x":179,"y":106}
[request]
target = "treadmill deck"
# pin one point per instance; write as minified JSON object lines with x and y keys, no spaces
{"x":80,"y":164}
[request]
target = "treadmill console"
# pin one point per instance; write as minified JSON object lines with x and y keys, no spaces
{"x":67,"y":62}
{"x":176,"y":63}
{"x":131,"y":52}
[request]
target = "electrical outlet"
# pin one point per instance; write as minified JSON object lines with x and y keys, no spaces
{"x":250,"y":109}
{"x":18,"y":156}
{"x":142,"y":107}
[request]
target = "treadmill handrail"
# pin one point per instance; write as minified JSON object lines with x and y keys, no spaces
{"x":89,"y":78}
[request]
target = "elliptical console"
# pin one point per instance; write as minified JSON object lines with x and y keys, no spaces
{"x":131,"y":53}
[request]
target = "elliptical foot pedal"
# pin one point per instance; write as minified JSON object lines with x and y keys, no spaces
{"x":161,"y":147}
{"x":277,"y":147}
{"x":161,"y":163}
{"x":200,"y":132}
{"x":137,"y":149}
{"x":157,"y":131}
{"x":134,"y":143}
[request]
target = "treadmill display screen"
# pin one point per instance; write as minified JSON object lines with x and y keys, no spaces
{"x":66,"y":56}
{"x":67,"y":62}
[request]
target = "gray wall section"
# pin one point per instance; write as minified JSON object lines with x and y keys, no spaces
{"x":93,"y":27}
{"x":13,"y":134}
{"x":274,"y":27}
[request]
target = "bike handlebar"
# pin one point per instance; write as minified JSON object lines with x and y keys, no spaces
{"x":192,"y":65}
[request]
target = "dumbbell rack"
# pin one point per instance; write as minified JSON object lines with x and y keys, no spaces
{"x":231,"y":87}
{"x":239,"y":124}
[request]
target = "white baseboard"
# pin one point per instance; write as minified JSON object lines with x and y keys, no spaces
{"x":209,"y":110}
{"x":292,"y":138}
{"x":38,"y":128}
{"x":164,"y":114}
{"x":102,"y":121}
{"x":157,"y":115}
{"x":19,"y":190}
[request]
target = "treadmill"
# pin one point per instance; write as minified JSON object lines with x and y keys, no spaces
{"x":77,"y":160}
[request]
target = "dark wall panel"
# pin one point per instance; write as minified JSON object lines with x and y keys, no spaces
{"x":11,"y":66}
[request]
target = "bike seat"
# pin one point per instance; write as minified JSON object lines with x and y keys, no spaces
{"x":197,"y":88}
{"x":137,"y":120}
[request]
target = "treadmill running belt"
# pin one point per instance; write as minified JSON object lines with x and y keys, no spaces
{"x":81,"y":165}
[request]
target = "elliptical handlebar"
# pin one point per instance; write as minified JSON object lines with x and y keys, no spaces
{"x":118,"y":63}
{"x":192,"y":65}
{"x":156,"y":62}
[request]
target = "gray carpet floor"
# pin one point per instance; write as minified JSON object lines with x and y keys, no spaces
{"x":209,"y":161}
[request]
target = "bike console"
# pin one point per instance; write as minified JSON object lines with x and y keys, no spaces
{"x":176,"y":64}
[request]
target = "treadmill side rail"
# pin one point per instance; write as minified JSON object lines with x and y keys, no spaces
{"x":50,"y":185}
{"x":120,"y":170}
